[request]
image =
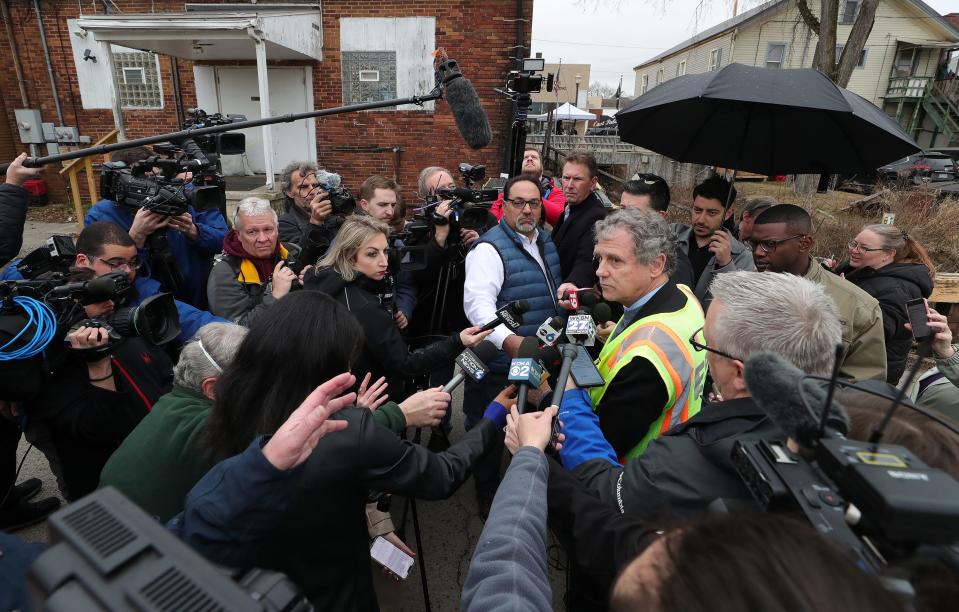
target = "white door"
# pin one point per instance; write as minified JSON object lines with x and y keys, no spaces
{"x":234,"y":90}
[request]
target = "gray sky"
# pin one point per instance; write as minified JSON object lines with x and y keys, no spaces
{"x":615,"y":35}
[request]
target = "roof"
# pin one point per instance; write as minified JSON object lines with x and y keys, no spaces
{"x":771,"y":7}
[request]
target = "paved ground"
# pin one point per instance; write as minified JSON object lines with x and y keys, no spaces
{"x":449,"y":528}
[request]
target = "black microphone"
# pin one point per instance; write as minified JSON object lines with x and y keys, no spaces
{"x":470,"y":117}
{"x":510,"y":315}
{"x":472,"y":363}
{"x":774,"y":383}
{"x":602,"y":313}
{"x":525,"y":370}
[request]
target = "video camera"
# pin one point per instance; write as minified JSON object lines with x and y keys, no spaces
{"x":527,"y":81}
{"x":48,"y":303}
{"x":878,"y":501}
{"x":340,"y":197}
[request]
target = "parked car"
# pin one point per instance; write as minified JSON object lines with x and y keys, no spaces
{"x":919,"y":169}
{"x":607,"y":129}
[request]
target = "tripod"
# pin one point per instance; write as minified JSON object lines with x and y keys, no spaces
{"x":517,"y":136}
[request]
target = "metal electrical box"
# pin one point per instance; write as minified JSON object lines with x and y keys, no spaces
{"x":29,"y":125}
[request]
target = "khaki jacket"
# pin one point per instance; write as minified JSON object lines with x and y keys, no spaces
{"x":861,"y":319}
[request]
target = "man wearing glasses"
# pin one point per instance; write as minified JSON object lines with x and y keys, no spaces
{"x":689,"y":467}
{"x":782,"y":241}
{"x":513,"y":261}
{"x":307,"y":205}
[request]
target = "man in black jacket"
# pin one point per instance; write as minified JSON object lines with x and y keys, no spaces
{"x":573,"y":233}
{"x":17,"y":511}
{"x":309,"y":212}
{"x":13,"y":208}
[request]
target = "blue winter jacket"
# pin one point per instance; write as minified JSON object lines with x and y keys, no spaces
{"x":194,"y":258}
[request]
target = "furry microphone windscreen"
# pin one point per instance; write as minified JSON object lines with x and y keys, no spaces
{"x":774,"y":383}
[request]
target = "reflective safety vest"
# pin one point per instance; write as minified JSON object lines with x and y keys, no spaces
{"x":662,"y":339}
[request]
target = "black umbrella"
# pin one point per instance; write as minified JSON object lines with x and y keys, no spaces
{"x":764,"y":120}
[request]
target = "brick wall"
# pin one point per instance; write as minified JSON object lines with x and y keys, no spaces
{"x":479,"y":35}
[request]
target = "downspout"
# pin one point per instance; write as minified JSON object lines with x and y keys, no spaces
{"x":17,"y":68}
{"x":46,"y":54}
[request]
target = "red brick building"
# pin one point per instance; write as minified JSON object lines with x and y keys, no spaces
{"x":360,"y":49}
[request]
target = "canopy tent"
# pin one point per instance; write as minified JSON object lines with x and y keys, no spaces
{"x":566,"y":112}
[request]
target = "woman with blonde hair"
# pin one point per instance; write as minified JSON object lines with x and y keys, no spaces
{"x":889,"y":265}
{"x":354,"y":272}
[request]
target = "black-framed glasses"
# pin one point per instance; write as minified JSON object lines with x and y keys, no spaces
{"x":520,"y":203}
{"x":768,"y":246}
{"x":855,"y":246}
{"x":115,"y":263}
{"x":700,"y":345}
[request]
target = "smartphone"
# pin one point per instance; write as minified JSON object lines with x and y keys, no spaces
{"x":916,"y":310}
{"x":392,"y":558}
{"x":584,"y":372}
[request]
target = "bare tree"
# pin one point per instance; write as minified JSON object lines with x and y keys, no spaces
{"x":603,"y":90}
{"x":824,"y":27}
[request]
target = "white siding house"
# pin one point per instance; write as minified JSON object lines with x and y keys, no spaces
{"x":897,"y":69}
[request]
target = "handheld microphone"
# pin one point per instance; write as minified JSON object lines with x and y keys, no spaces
{"x":525,"y":371}
{"x":472,"y":363}
{"x":471,"y":120}
{"x":551,"y":330}
{"x":581,"y":329}
{"x":580,"y":299}
{"x":510,"y":315}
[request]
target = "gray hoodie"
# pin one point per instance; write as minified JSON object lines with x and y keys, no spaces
{"x":742,"y":259}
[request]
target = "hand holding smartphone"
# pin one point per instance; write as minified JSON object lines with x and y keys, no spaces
{"x":918,"y":319}
{"x":392,"y":558}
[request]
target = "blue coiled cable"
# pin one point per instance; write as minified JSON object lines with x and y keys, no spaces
{"x":39,"y":315}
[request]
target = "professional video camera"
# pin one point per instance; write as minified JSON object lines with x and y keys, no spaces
{"x":519,"y":85}
{"x":527,"y":81}
{"x":41,"y":309}
{"x":224,"y":143}
{"x":470,"y":206}
{"x":340,"y":197}
{"x":878,"y":501}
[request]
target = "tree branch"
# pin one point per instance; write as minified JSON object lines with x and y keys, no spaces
{"x":811,"y":22}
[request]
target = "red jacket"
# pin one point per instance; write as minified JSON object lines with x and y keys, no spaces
{"x":554,"y":201}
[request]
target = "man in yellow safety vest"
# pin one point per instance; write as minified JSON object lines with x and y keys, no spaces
{"x":654,"y":377}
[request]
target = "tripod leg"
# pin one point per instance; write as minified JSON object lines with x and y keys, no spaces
{"x":421,"y":557}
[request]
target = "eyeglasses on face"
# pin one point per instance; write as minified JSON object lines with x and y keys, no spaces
{"x":855,"y":246}
{"x":520,"y":203}
{"x":768,"y":246}
{"x":115,"y":263}
{"x":698,"y":340}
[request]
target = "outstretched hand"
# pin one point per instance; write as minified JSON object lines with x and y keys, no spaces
{"x":298,"y":436}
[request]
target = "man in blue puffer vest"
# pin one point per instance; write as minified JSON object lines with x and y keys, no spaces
{"x":513,"y":261}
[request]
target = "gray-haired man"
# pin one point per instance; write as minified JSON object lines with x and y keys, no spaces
{"x":251,"y":273}
{"x":158,"y":464}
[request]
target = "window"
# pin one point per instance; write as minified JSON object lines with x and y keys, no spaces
{"x":644,"y":84}
{"x":661,"y":75}
{"x":368,"y":76}
{"x":862,"y":56}
{"x":137,"y":75}
{"x":907,"y":61}
{"x":850,"y":8}
{"x":681,"y":68}
{"x":775,"y":55}
{"x":715,"y":59}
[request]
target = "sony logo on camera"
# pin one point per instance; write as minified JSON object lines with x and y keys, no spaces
{"x":471,"y":365}
{"x":899,"y":474}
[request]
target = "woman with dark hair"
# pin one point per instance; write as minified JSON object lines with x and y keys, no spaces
{"x":321,"y":542}
{"x":889,"y":265}
{"x":355,"y":272}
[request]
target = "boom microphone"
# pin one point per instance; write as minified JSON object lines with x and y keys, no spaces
{"x":472,"y":363}
{"x":774,"y":383}
{"x":510,"y":315}
{"x":470,"y":117}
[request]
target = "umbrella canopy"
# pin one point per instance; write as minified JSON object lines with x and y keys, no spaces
{"x":764,"y":120}
{"x":566,"y":112}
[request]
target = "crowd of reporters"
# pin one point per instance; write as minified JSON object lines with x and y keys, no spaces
{"x":334,"y":321}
